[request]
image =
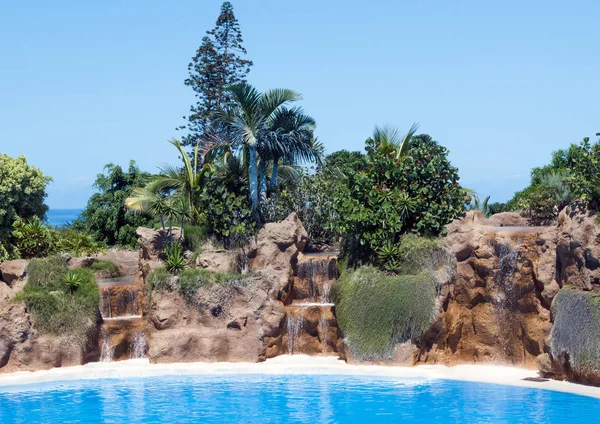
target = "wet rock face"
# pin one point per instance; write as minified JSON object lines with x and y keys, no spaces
{"x":497,"y":309}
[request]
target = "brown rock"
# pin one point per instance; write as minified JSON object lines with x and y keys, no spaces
{"x":12,"y":271}
{"x":220,"y":261}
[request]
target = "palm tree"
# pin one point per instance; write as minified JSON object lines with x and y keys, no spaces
{"x":391,"y":142}
{"x":293,"y":141}
{"x":187,"y":182}
{"x":249,"y":121}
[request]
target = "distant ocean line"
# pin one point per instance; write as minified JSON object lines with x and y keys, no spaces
{"x":60,"y":217}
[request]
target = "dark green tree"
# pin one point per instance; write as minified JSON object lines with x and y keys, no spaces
{"x":105,"y":216}
{"x":219,"y":62}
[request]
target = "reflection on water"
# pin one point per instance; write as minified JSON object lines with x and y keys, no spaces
{"x":294,"y":398}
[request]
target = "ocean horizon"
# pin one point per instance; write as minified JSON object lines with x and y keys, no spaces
{"x":60,"y":217}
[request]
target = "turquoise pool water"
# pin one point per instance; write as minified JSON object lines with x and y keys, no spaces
{"x":296,"y":398}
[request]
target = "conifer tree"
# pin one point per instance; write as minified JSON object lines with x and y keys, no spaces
{"x":219,"y":62}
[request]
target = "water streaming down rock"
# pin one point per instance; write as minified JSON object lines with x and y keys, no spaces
{"x":311,"y":327}
{"x":123,"y":335}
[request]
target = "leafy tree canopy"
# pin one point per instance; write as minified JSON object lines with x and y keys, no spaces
{"x":105,"y":216}
{"x":22,"y":194}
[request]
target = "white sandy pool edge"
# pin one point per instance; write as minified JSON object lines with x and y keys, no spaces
{"x":296,"y":364}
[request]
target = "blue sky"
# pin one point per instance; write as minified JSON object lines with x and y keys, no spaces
{"x":501,"y":84}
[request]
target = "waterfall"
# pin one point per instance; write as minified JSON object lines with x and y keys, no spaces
{"x":507,"y":263}
{"x":324,"y":331}
{"x":138,"y":346}
{"x":123,"y":327}
{"x":106,"y":303}
{"x":106,"y":353}
{"x":294,"y":324}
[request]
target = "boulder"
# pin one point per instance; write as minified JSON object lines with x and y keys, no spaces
{"x":152,"y":242}
{"x":237,"y":321}
{"x":12,"y":271}
{"x":277,"y":248}
{"x":497,"y":307}
{"x":220,"y":261}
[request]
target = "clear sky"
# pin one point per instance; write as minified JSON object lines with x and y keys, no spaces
{"x":500,"y":83}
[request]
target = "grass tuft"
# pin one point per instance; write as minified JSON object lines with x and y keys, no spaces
{"x":107,"y":269}
{"x":57,"y":308}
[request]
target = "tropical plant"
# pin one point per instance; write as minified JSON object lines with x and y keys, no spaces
{"x":584,"y":176}
{"x":105,"y":216}
{"x":33,"y":239}
{"x":173,"y":195}
{"x":477,"y":205}
{"x":248,"y":123}
{"x":72,"y":281}
{"x":78,"y":243}
{"x":175,"y":260}
{"x":401,"y":190}
{"x":22,"y":194}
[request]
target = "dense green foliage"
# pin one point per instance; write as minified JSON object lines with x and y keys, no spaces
{"x":227,"y":212}
{"x":22,"y":194}
{"x":414,"y":192}
{"x":33,"y":239}
{"x":573,"y":173}
{"x":62,"y":302}
{"x":376,"y":311}
{"x":218,"y":63}
{"x":311,"y":196}
{"x":105,"y":216}
{"x":575,"y":332}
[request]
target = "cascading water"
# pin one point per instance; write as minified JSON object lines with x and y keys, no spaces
{"x":505,"y":296}
{"x":138,"y":346}
{"x":310,"y":311}
{"x":106,"y":352}
{"x":122,"y":330}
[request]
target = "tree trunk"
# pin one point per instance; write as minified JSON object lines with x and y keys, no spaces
{"x":262,"y":169}
{"x":275,"y":173}
{"x":253,"y":177}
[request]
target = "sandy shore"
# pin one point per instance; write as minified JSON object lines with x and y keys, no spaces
{"x":297,"y":364}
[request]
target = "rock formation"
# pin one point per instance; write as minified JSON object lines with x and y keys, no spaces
{"x":497,"y":309}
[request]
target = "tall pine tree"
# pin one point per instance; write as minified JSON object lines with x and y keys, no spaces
{"x":218,"y":63}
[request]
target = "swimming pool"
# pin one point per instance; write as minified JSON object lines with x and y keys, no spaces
{"x":294,"y":398}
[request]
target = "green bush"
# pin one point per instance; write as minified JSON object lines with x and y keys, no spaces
{"x":59,"y":307}
{"x":194,"y":236}
{"x":398,"y":194}
{"x":584,"y":178}
{"x":33,"y":239}
{"x":105,"y":267}
{"x":22,"y":194}
{"x":376,"y":311}
{"x":575,"y":334}
{"x":78,"y":243}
